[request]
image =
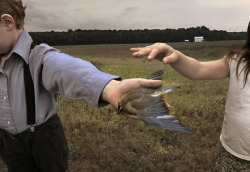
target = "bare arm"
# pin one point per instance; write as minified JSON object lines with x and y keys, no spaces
{"x":187,"y":66}
{"x":196,"y":70}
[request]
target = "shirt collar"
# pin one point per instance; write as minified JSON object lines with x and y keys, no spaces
{"x":23,"y":44}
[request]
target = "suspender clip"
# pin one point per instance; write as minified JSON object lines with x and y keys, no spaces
{"x":32,"y":128}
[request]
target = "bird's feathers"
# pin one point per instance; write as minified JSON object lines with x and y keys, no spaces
{"x":157,"y":115}
{"x":156,"y":75}
{"x":150,"y":107}
{"x":163,"y":90}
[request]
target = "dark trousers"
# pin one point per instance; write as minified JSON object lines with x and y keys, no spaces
{"x":44,"y":150}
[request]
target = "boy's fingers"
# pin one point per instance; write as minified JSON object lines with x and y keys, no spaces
{"x":130,"y":116}
{"x":167,"y":106}
{"x":150,"y":83}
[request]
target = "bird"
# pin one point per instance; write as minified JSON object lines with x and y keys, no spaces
{"x":149,"y":106}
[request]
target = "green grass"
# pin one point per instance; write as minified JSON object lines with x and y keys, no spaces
{"x":100,"y":140}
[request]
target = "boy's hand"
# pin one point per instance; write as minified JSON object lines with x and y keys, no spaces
{"x":115,"y":89}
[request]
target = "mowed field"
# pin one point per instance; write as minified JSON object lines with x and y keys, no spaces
{"x":100,"y":140}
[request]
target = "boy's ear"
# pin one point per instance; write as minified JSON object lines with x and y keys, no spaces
{"x":8,"y":21}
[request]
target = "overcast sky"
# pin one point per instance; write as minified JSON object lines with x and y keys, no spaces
{"x":47,"y":15}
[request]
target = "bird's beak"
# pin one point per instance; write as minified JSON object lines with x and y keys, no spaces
{"x":119,"y":109}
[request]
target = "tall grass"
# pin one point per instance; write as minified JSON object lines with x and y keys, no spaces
{"x":100,"y":140}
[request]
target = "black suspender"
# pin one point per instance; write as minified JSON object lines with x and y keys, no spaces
{"x":30,"y":94}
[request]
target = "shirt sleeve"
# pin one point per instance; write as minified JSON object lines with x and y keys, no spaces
{"x":74,"y":78}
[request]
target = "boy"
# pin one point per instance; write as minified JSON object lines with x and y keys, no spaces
{"x":40,"y":145}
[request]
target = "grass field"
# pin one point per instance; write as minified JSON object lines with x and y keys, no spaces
{"x":100,"y":140}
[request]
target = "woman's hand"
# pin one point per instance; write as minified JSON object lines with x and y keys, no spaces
{"x":160,"y":51}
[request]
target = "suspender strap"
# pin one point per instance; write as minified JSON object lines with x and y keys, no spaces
{"x":29,"y":92}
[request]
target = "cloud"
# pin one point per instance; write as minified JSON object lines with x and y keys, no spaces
{"x":228,"y":15}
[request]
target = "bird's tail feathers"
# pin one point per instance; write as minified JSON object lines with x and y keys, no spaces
{"x":156,"y":76}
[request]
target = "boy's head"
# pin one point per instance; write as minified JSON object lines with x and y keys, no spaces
{"x":12,"y":13}
{"x":14,"y":8}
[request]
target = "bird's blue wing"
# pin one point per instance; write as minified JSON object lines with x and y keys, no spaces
{"x":167,"y":122}
{"x":157,"y":115}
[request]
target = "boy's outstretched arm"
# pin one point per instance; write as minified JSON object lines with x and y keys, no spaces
{"x":187,"y":66}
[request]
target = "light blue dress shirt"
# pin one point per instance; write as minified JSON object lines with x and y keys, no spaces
{"x":53,"y":73}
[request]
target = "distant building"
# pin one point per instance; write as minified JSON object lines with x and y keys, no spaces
{"x":199,"y":39}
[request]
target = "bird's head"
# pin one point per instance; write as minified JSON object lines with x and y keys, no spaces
{"x":125,"y":98}
{"x":119,"y":110}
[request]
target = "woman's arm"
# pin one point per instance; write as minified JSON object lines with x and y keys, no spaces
{"x":187,"y":66}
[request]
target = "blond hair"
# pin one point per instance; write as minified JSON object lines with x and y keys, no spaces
{"x":14,"y":8}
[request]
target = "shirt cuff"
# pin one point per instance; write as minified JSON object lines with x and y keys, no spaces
{"x":95,"y":86}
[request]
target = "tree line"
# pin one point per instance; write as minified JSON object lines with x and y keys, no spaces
{"x":82,"y":37}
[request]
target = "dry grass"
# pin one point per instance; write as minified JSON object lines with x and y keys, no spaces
{"x":100,"y":140}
